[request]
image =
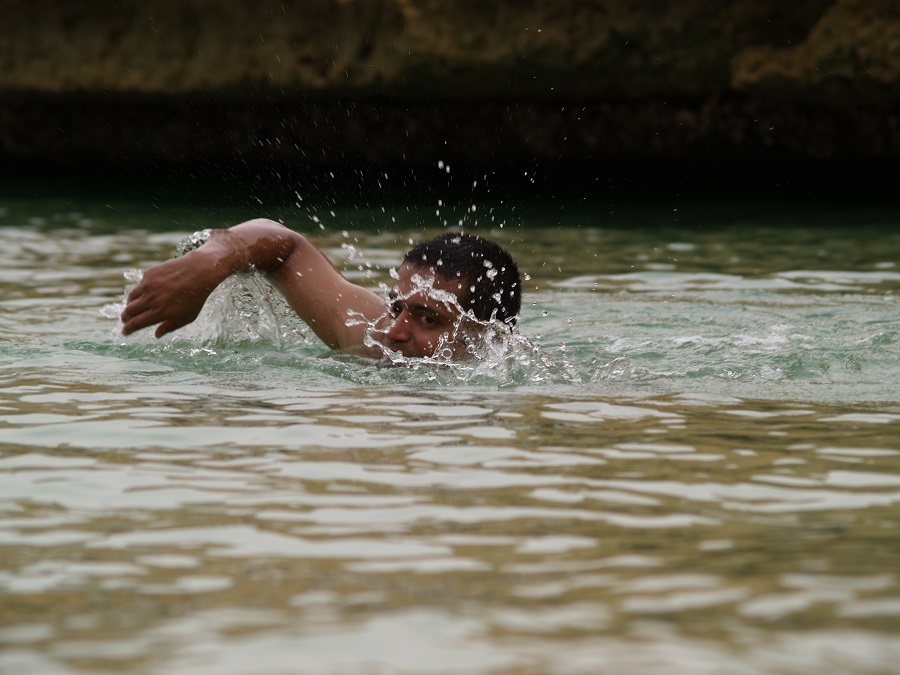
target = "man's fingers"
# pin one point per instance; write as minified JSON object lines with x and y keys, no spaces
{"x":133,"y":325}
{"x":136,"y":320}
{"x":169,"y":325}
{"x":148,"y":319}
{"x":134,"y":304}
{"x":127,"y":314}
{"x":141,"y":310}
{"x":136,"y":292}
{"x":131,"y":316}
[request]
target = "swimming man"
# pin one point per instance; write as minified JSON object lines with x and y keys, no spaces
{"x":440,"y":286}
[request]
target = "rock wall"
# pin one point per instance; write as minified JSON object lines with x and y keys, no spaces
{"x":487,"y":81}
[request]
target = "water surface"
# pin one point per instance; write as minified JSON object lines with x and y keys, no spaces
{"x":698,"y":470}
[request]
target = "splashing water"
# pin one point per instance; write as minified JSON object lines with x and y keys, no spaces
{"x":246,"y":310}
{"x":473,"y":351}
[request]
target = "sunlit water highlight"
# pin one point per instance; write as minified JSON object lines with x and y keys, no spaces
{"x":694,"y":469}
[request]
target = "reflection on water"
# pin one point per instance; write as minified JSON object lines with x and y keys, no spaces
{"x":715,"y":490}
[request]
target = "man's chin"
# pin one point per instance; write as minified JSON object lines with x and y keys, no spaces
{"x":389,"y":354}
{"x":399,"y":354}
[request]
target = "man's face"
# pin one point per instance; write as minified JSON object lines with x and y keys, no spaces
{"x":424,"y":310}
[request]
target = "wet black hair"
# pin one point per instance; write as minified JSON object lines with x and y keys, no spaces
{"x":491,"y":275}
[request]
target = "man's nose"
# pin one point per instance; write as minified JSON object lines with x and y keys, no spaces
{"x":399,"y":329}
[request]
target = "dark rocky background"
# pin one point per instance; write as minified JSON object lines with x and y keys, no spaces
{"x":732,"y":90}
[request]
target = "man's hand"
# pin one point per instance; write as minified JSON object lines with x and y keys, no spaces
{"x":172,"y":294}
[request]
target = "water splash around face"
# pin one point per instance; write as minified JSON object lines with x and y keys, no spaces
{"x":469,"y":350}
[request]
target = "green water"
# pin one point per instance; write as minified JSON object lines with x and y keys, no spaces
{"x":698,"y":471}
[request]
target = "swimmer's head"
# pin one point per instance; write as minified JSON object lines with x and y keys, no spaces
{"x":488,"y":277}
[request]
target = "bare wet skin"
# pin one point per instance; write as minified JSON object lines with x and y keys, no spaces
{"x":690,"y":466}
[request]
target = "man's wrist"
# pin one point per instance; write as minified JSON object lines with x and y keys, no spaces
{"x":235,"y":254}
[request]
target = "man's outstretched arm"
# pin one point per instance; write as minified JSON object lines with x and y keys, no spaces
{"x":173,"y":293}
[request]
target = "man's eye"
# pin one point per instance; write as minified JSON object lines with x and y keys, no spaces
{"x":427,"y":320}
{"x":396,"y":308}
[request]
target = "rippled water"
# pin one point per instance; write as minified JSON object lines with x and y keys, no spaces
{"x":698,"y":472}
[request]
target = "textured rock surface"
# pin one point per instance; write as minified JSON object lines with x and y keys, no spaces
{"x":415,"y":80}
